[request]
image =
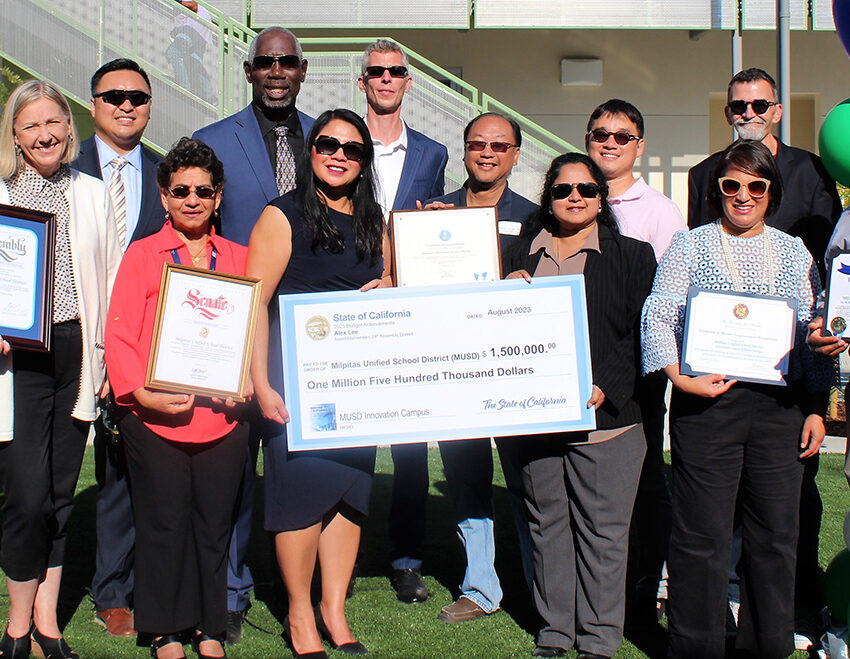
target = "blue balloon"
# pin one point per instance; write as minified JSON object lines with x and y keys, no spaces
{"x":841,"y":16}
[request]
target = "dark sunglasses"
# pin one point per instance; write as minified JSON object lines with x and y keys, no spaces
{"x":621,"y":137}
{"x":326,"y":145}
{"x":760,"y":106}
{"x":730,"y":186}
{"x":378,"y":71}
{"x":496,"y":147}
{"x":564,"y":190}
{"x":117,"y":97}
{"x":286,"y":61}
{"x":183,"y":191}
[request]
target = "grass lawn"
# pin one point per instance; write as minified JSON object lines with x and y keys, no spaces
{"x":387,"y":627}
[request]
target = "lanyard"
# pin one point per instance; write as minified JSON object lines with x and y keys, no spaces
{"x":767,"y":268}
{"x":176,"y":257}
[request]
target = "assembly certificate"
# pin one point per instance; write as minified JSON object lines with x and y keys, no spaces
{"x":434,"y":363}
{"x":742,"y":336}
{"x":838,"y":297}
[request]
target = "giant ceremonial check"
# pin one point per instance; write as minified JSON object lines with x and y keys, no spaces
{"x":418,"y":364}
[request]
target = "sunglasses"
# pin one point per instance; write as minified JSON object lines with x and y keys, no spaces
{"x":117,"y":97}
{"x":285,"y":61}
{"x":731,"y":186}
{"x":183,"y":191}
{"x":564,"y":190}
{"x":760,"y":106}
{"x":326,"y":145}
{"x":496,"y":147}
{"x":378,"y":71}
{"x":601,"y":135}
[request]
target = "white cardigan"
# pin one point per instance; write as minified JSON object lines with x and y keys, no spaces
{"x":95,"y":255}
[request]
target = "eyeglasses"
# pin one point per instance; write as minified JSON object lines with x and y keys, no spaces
{"x":117,"y":97}
{"x":285,"y":61}
{"x":496,"y":147}
{"x":564,"y":190}
{"x":731,"y":186}
{"x":378,"y":71}
{"x":760,"y":106}
{"x":621,"y":137}
{"x":183,"y":191}
{"x":326,"y":145}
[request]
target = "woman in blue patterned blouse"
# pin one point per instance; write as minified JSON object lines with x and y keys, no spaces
{"x":736,"y":442}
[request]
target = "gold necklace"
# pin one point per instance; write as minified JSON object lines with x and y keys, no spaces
{"x":196,"y":258}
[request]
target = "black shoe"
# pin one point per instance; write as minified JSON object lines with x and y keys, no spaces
{"x":15,"y":648}
{"x":354,"y":647}
{"x":51,"y":648}
{"x":590,"y":655}
{"x":161,"y":641}
{"x":409,"y":586}
{"x":548,"y":651}
{"x":287,"y":636}
{"x":234,"y":626}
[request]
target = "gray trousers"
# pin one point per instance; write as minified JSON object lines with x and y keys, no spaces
{"x":579,"y":499}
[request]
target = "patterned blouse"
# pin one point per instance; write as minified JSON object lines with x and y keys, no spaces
{"x":697,"y":258}
{"x":29,"y":189}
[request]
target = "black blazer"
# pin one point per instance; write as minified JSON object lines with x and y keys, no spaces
{"x":617,"y":280}
{"x":151,"y":214}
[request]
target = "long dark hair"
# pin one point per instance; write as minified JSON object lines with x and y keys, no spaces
{"x":543,"y":218}
{"x":368,"y":222}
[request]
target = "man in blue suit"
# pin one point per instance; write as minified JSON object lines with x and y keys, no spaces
{"x":120,"y":106}
{"x":409,"y":168}
{"x":259,"y":147}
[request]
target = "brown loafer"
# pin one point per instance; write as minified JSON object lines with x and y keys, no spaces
{"x":462,"y":610}
{"x":118,"y":622}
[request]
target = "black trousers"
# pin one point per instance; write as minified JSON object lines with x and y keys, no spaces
{"x":183,"y":498}
{"x":743,"y":444}
{"x":40,"y":466}
{"x":409,"y":499}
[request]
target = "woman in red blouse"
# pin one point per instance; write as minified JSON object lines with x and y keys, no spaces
{"x":185,"y":453}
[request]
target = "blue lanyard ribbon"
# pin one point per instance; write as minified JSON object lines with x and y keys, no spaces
{"x":176,"y":257}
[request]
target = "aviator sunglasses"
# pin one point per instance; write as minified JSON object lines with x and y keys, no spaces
{"x":117,"y":97}
{"x":496,"y":147}
{"x":326,"y":145}
{"x":267,"y":61}
{"x":183,"y":191}
{"x":760,"y":106}
{"x":378,"y":71}
{"x":730,"y":186}
{"x":621,"y":137}
{"x":564,"y":190}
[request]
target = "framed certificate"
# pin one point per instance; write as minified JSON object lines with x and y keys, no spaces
{"x":203,"y":333}
{"x":27,"y":243}
{"x":742,"y":336}
{"x":837,"y":316}
{"x":448,"y":246}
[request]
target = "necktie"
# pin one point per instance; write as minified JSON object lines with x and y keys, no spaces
{"x":119,"y":203}
{"x":285,"y":162}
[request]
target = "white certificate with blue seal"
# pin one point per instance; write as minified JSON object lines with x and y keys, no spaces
{"x":447,"y":246}
{"x":392,"y":365}
{"x":837,"y":314}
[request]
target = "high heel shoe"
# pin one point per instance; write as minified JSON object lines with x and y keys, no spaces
{"x":287,"y":636}
{"x":352,"y":647}
{"x":160,"y":642}
{"x":15,"y":648}
{"x":49,"y":647}
{"x":199,"y":637}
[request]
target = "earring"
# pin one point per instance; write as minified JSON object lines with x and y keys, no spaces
{"x":168,"y":216}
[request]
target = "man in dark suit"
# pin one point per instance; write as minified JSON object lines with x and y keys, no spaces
{"x":810,"y":209}
{"x":409,"y":167}
{"x":120,"y":106}
{"x":259,"y":147}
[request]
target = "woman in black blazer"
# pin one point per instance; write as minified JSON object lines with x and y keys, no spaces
{"x":579,"y":487}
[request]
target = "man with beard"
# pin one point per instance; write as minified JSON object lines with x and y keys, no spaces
{"x":810,"y":208}
{"x":259,"y":147}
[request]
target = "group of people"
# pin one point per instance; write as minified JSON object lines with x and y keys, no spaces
{"x":302,"y":204}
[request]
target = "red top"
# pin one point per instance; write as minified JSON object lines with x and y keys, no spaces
{"x":129,"y":332}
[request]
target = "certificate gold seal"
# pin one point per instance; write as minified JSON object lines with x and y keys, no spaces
{"x":205,"y":332}
{"x":838,"y":325}
{"x":318,"y":328}
{"x":741,"y":311}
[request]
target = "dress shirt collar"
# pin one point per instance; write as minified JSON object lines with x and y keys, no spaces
{"x":292,"y":122}
{"x":398,"y":143}
{"x":545,"y":241}
{"x":167,"y":238}
{"x":105,"y":155}
{"x":636,"y":191}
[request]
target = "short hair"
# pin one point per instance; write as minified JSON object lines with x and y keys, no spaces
{"x":383,"y":46}
{"x":120,"y":64}
{"x":252,"y":49}
{"x":11,"y":162}
{"x":749,"y":156}
{"x":190,"y":153}
{"x":510,"y":120}
{"x":751,"y":75}
{"x":618,"y":106}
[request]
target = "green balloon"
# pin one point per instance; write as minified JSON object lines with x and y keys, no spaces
{"x":834,"y":142}
{"x":837,"y":586}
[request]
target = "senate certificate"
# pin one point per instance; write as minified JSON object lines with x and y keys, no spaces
{"x":448,"y":246}
{"x":394,"y":365}
{"x":27,"y":241}
{"x":838,"y":297}
{"x":742,"y":336}
{"x":203,"y":333}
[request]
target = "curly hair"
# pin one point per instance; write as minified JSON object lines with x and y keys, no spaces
{"x":190,"y":153}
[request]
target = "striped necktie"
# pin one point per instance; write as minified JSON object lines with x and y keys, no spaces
{"x":285,"y":162}
{"x":119,"y":203}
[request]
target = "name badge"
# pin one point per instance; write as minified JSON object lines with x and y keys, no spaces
{"x":509,"y":227}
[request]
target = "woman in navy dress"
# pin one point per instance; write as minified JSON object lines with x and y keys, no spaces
{"x":326,"y":235}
